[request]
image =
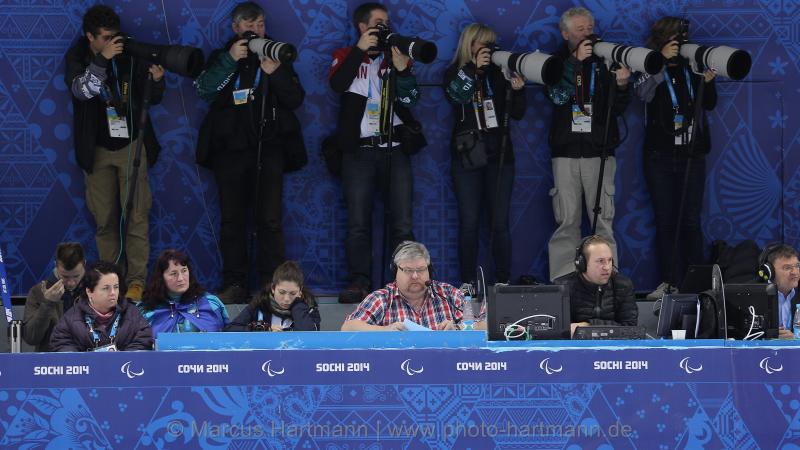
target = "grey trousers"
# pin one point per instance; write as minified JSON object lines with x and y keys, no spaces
{"x":575,"y":179}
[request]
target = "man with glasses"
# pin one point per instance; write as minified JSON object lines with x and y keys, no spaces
{"x":412,"y":297}
{"x":783,"y":259}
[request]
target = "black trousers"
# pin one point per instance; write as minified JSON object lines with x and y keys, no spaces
{"x":664,"y":175}
{"x":237,"y":174}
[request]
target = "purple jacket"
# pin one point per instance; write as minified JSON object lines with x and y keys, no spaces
{"x":71,"y":334}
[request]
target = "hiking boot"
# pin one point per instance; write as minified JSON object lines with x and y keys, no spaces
{"x":135,"y":291}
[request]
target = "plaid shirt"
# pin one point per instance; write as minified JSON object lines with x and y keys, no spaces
{"x":387,"y":305}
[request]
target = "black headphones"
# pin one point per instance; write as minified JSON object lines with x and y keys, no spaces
{"x":580,"y":257}
{"x":766,"y":272}
{"x":401,"y":246}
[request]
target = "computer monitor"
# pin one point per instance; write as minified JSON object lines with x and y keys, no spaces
{"x":752,"y":311}
{"x":537,"y":312}
{"x":679,"y":312}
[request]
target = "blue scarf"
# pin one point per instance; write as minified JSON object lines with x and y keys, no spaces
{"x":198,"y":312}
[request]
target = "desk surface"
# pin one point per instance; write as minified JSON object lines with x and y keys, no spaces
{"x":657,"y":395}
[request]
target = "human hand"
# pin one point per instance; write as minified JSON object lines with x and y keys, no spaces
{"x":55,"y":291}
{"x":238,"y":50}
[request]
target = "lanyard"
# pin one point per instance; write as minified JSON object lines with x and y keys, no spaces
{"x":255,"y":85}
{"x":96,"y":335}
{"x":591,"y":82}
{"x":104,"y":93}
{"x":671,"y":88}
{"x":489,"y":92}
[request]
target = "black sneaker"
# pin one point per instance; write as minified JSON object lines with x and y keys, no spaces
{"x":353,"y":293}
{"x":234,"y":294}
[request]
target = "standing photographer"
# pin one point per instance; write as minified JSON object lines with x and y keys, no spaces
{"x":670,"y":97}
{"x":235,"y":82}
{"x":477,"y":89}
{"x":576,"y":138}
{"x":361,"y":74}
{"x":107,"y":88}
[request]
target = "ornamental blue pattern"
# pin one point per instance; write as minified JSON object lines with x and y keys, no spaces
{"x":750,"y":191}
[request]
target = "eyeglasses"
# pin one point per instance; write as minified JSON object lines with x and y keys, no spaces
{"x":411,"y":272}
{"x":789,"y":267}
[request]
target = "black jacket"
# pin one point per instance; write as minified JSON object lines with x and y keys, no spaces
{"x":229,"y":128}
{"x":89,"y":114}
{"x":565,"y":143}
{"x":659,"y":124}
{"x":351,"y":107}
{"x":610,"y":304}
{"x":304,"y":317}
{"x":459,"y":86}
{"x":71,"y":334}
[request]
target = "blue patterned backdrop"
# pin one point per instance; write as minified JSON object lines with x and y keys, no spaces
{"x":750,"y":193}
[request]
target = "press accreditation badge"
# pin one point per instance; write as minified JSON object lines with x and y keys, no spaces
{"x":582,"y":122}
{"x":107,"y":348}
{"x":683,"y":136}
{"x":489,"y":113}
{"x":241,"y":96}
{"x":373,"y":116}
{"x":117,"y":126}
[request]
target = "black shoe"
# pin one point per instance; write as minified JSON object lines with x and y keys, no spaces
{"x":234,"y":294}
{"x":353,"y":294}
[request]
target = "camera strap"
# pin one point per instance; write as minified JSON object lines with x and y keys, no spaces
{"x":579,"y":88}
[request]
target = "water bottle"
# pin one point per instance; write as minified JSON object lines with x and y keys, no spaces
{"x":468,"y":321}
{"x":796,"y":322}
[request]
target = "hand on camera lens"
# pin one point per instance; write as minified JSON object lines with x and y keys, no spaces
{"x":157,"y":72}
{"x":517,"y":81}
{"x":623,"y":75}
{"x":483,"y":58}
{"x":113,"y":48}
{"x":368,"y":40}
{"x":670,"y":49}
{"x":584,"y":50}
{"x":238,"y":49}
{"x":399,"y":60}
{"x":709,"y":75}
{"x":269,"y":65}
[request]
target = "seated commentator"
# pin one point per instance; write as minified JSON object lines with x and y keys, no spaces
{"x":412,"y":296}
{"x":598,"y":294}
{"x":100,"y":320}
{"x":283,"y":305}
{"x":174,"y":302}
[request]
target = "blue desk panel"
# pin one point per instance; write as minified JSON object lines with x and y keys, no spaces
{"x":660,"y":396}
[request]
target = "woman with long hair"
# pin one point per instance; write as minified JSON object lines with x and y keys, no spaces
{"x":284,"y":305}
{"x":175,"y":302}
{"x":482,"y":168}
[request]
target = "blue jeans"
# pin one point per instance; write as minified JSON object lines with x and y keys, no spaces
{"x":664,"y":175}
{"x":365,"y":171}
{"x":476,"y":192}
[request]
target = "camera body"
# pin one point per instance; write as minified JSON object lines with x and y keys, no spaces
{"x":416,"y":48}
